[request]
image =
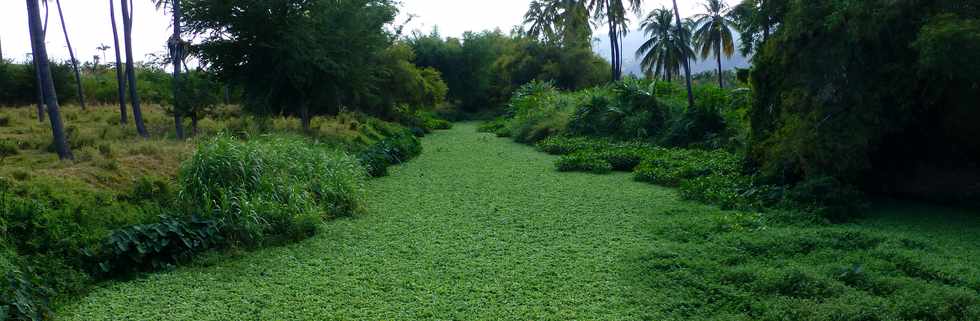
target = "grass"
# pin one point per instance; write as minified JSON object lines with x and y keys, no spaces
{"x":482,"y":228}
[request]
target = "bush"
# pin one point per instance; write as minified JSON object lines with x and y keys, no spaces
{"x":153,"y":246}
{"x":670,"y":167}
{"x":493,"y":126}
{"x":275,"y":187}
{"x":22,"y":293}
{"x":583,"y":162}
{"x":564,"y":145}
{"x":389,"y":151}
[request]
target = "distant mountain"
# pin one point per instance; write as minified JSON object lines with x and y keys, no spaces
{"x":631,"y":65}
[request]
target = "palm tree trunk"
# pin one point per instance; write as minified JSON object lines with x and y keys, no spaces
{"x":687,"y":61}
{"x":50,"y":96}
{"x":131,"y":69}
{"x":194,"y":124}
{"x":304,"y":114}
{"x":721,"y":82}
{"x":71,"y":54}
{"x":37,"y":75}
{"x":176,"y":55}
{"x":120,"y":81}
{"x":613,"y":53}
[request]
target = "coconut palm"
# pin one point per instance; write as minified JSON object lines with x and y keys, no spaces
{"x":540,"y":19}
{"x":614,"y":13}
{"x":563,"y":21}
{"x":687,"y":59}
{"x":40,"y":54}
{"x":175,"y":44}
{"x":71,"y":54}
{"x":662,"y":53}
{"x":103,"y":48}
{"x":756,"y":20}
{"x":120,"y":81}
{"x":713,"y":34}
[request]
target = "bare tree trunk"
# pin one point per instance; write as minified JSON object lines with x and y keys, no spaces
{"x":120,"y":80}
{"x":304,"y":114}
{"x":50,"y":96}
{"x":1,"y":50}
{"x":614,"y":47}
{"x":194,"y":119}
{"x":687,"y":61}
{"x":37,"y":75}
{"x":721,"y":82}
{"x":227,"y":95}
{"x":177,"y":55}
{"x":71,"y":54}
{"x":131,"y":69}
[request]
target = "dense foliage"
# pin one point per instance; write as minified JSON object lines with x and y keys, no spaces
{"x":483,"y":68}
{"x":317,"y":57}
{"x":877,"y":93}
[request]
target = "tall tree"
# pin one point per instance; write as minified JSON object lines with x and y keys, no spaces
{"x":103,"y":48}
{"x":71,"y":54}
{"x":293,"y":44}
{"x":714,"y":33}
{"x":38,"y":85}
{"x":176,"y":47}
{"x":662,"y":54}
{"x":50,"y":96}
{"x":687,"y":59}
{"x":565,"y":22}
{"x":614,"y":13}
{"x":134,"y":98}
{"x":756,"y":20}
{"x":120,"y":81}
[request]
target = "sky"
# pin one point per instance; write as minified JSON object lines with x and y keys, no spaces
{"x":89,"y":26}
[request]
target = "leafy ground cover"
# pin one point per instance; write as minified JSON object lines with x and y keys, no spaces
{"x":482,"y":228}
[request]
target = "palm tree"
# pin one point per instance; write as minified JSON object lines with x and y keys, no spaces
{"x":120,"y":82}
{"x":127,"y":15}
{"x":103,"y":48}
{"x":614,"y":13}
{"x":541,"y":19}
{"x":714,"y":33}
{"x":50,"y":96}
{"x":662,"y":53}
{"x":755,"y":20}
{"x":175,"y":44}
{"x":687,"y":60}
{"x":71,"y":54}
{"x":562,"y":21}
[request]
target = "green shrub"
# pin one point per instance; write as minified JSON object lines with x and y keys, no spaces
{"x":493,"y":126}
{"x":583,"y":162}
{"x":275,"y":187}
{"x":564,"y":145}
{"x":153,"y":246}
{"x":670,"y":167}
{"x":389,"y":151}
{"x":22,"y":294}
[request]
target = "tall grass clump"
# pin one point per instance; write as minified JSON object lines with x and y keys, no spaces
{"x":271,"y":188}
